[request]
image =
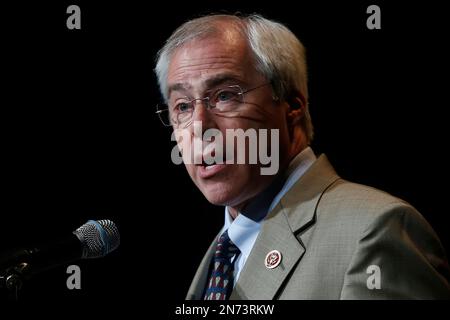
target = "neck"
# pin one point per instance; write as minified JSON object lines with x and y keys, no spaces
{"x":234,"y":211}
{"x":257,"y":207}
{"x":296,"y":146}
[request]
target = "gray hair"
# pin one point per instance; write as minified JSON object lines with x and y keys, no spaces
{"x":279,"y":55}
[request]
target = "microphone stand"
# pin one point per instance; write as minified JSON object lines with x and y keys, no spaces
{"x":13,"y":276}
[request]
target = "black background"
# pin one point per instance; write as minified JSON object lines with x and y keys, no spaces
{"x":80,"y":139}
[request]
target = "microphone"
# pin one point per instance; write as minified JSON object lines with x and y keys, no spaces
{"x":94,"y":239}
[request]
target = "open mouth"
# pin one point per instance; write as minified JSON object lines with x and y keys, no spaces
{"x":207,"y":170}
{"x":210,"y":164}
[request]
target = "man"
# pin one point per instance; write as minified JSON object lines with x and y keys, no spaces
{"x":302,"y":233}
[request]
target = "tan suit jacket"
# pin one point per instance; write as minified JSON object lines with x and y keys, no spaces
{"x":340,"y":240}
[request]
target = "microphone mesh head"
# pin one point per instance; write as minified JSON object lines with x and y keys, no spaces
{"x":98,"y":238}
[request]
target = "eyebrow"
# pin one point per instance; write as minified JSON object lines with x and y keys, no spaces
{"x":209,"y":83}
{"x":178,"y":87}
{"x":221,"y":79}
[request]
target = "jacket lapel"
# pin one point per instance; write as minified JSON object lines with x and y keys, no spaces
{"x":294,"y":213}
{"x":255,"y":280}
{"x":201,"y":276}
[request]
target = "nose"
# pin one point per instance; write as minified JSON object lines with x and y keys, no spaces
{"x":201,"y":112}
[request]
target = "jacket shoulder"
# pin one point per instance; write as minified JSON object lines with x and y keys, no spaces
{"x":361,"y":205}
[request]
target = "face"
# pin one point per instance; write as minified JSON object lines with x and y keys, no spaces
{"x":205,"y":65}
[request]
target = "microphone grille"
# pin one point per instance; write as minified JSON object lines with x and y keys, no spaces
{"x":98,"y":238}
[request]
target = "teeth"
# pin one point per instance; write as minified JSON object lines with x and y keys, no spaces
{"x":209,"y":167}
{"x":208,"y":164}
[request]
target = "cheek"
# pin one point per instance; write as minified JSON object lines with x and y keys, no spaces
{"x":191,"y":171}
{"x":259,"y":138}
{"x":257,"y":118}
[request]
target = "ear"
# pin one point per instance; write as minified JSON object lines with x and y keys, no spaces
{"x":296,"y":109}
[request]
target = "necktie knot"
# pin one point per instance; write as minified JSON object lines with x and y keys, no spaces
{"x":225,"y":247}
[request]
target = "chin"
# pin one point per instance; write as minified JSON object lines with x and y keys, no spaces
{"x":232,"y":186}
{"x":223,"y":194}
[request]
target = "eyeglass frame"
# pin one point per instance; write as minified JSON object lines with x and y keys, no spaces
{"x":207,"y":105}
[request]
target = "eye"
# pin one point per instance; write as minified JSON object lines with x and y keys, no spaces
{"x":225,"y":95}
{"x":183,"y":107}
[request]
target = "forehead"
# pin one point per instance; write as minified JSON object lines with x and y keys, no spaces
{"x":200,"y":60}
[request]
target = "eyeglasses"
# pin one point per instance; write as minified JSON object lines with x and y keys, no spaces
{"x":224,"y":100}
